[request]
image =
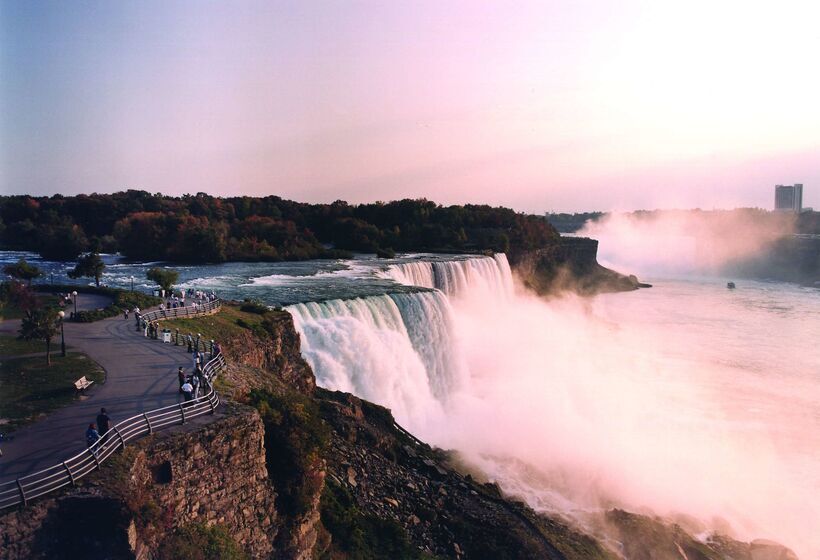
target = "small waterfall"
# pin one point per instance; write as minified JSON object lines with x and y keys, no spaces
{"x":396,"y":350}
{"x":456,"y":277}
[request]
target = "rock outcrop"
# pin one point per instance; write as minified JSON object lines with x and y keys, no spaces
{"x":570,"y":265}
{"x":208,"y":474}
{"x":274,"y":349}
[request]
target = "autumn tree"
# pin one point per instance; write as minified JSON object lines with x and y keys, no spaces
{"x":41,"y":323}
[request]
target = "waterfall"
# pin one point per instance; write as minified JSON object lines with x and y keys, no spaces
{"x":456,"y":277}
{"x":399,"y":350}
{"x":396,"y":350}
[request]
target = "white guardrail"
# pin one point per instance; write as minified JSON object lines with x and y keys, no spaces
{"x":31,"y":486}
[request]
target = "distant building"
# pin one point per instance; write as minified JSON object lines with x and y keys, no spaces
{"x":788,"y":198}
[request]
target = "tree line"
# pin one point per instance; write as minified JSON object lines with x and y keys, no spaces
{"x":204,"y":228}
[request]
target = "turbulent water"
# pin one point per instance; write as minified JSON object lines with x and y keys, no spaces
{"x":686,"y":398}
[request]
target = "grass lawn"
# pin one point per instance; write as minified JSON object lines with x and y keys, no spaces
{"x":228,"y":321}
{"x":29,"y":388}
{"x":12,"y":346}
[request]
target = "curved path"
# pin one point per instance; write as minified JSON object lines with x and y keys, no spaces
{"x":141,"y":374}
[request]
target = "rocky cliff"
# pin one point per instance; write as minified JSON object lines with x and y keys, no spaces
{"x":298,"y":472}
{"x":204,"y":475}
{"x":569,"y":265}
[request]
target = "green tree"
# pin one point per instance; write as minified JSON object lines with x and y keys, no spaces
{"x":89,"y":265}
{"x":164,"y":277}
{"x":21,"y":270}
{"x":41,"y":323}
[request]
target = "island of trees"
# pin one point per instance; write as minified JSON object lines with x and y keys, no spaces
{"x":203,"y":228}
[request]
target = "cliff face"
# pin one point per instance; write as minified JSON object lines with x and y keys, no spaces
{"x":309,"y":473}
{"x":274,"y":349}
{"x":570,"y":265}
{"x":211,"y":474}
{"x":376,"y":471}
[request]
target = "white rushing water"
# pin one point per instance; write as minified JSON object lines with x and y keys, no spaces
{"x":686,"y":398}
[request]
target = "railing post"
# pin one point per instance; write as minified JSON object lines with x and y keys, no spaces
{"x":147,"y":421}
{"x":211,"y":402}
{"x":122,"y":441}
{"x":22,"y":492}
{"x":96,"y":459}
{"x":182,"y":410}
{"x":70,"y":474}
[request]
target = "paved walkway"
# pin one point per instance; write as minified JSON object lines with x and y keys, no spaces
{"x":140,"y":376}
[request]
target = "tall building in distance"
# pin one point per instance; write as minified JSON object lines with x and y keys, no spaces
{"x":788,"y":198}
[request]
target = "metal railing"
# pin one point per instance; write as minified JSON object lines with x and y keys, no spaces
{"x":182,"y":312}
{"x":31,"y":486}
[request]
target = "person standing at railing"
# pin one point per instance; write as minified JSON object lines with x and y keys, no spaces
{"x":103,"y":422}
{"x":181,"y":377}
{"x":190,"y":340}
{"x":198,"y":376}
{"x":91,"y":436}
{"x":187,"y":390}
{"x":194,"y":381}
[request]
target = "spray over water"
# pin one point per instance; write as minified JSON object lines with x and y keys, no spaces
{"x":579,"y":405}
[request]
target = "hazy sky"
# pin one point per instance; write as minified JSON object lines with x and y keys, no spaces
{"x":543,"y":105}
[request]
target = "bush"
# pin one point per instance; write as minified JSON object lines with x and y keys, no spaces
{"x":200,"y":542}
{"x":122,"y":300}
{"x":386,"y":253}
{"x":254,"y":306}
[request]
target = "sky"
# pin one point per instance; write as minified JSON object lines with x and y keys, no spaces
{"x":549,"y":105}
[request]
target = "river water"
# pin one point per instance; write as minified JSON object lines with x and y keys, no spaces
{"x":684,"y":399}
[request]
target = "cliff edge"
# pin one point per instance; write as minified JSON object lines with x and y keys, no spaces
{"x":571,"y":265}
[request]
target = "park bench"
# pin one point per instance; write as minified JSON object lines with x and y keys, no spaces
{"x":82,"y":384}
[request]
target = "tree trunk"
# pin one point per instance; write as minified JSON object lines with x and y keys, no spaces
{"x":48,"y":351}
{"x":97,"y":280}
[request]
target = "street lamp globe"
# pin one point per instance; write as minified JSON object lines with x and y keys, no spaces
{"x":61,"y":314}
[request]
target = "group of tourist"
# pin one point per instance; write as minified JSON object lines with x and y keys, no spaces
{"x":190,"y":386}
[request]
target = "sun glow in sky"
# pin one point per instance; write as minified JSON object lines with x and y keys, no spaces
{"x":544,"y":105}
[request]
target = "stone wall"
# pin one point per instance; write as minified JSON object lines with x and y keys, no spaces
{"x":210,"y":473}
{"x":213,"y":475}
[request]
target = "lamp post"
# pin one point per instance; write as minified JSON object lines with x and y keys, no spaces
{"x":61,"y":314}
{"x":74,"y":297}
{"x":132,"y":283}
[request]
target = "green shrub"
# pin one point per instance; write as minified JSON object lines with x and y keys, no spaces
{"x":295,"y":436}
{"x":122,"y":300}
{"x":254,"y":306}
{"x":200,"y":542}
{"x":386,"y":253}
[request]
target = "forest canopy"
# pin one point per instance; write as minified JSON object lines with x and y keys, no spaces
{"x":203,"y":228}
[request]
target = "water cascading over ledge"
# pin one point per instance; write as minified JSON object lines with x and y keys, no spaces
{"x":399,"y":350}
{"x":455,"y":277}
